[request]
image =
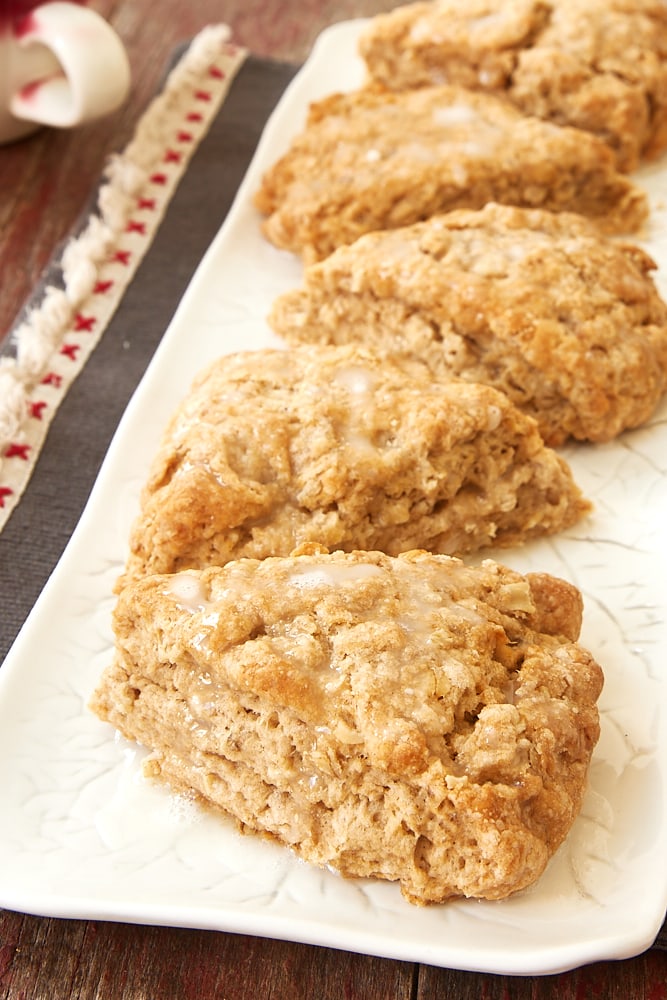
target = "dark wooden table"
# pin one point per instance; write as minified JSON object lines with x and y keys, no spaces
{"x":45,"y":183}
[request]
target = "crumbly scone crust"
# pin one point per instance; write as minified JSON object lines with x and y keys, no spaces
{"x":565,"y":321}
{"x":373,"y":159}
{"x":409,"y":718}
{"x":599,"y":65}
{"x":349,"y":448}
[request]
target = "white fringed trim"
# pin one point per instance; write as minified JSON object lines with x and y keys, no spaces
{"x":53,"y":341}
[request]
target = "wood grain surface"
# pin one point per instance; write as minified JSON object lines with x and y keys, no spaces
{"x":45,"y":185}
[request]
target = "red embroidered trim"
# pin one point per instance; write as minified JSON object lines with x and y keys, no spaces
{"x":37,"y":408}
{"x":84,"y":323}
{"x":21,"y":451}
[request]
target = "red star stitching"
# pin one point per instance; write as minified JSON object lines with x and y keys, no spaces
{"x":216,"y":73}
{"x":5,"y":492}
{"x":17,"y":451}
{"x":194,"y":116}
{"x":70,"y":351}
{"x":101,"y":287}
{"x":37,"y":409}
{"x":84,"y":323}
{"x":172,"y":156}
{"x":52,"y":379}
{"x":202,"y":95}
{"x":148,"y":203}
{"x":122,"y":257}
{"x":136,"y":227}
{"x":184,"y":136}
{"x":158,"y":178}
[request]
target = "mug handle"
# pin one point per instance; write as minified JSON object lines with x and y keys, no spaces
{"x":94,"y":75}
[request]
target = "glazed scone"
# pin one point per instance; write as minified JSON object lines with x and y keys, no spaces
{"x":568,"y":323}
{"x":373,"y":159}
{"x":598,"y":65}
{"x":341,"y":446}
{"x":409,"y":718}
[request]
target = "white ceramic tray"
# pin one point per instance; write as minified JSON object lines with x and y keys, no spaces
{"x":82,"y":833}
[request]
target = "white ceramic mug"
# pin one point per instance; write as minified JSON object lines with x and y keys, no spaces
{"x":61,"y":64}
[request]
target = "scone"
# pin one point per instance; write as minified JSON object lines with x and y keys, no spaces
{"x":599,"y":65}
{"x":341,"y":446}
{"x":566,"y":322}
{"x":409,"y":718}
{"x":373,"y":159}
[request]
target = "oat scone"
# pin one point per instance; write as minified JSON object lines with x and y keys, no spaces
{"x":409,"y":718}
{"x":599,"y":65}
{"x":373,"y":159}
{"x":341,"y":446}
{"x":565,"y":321}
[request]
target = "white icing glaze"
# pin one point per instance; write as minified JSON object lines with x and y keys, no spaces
{"x":458,"y":114}
{"x":186,"y":588}
{"x":484,"y":21}
{"x":357,"y":380}
{"x":359,"y":383}
{"x":334,"y":575}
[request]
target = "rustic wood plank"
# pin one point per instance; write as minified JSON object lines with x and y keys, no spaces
{"x":37,"y":954}
{"x":100,"y":961}
{"x":641,"y":978}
